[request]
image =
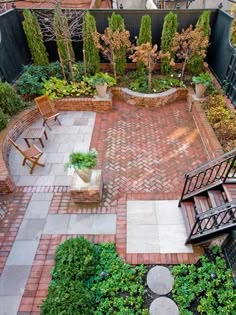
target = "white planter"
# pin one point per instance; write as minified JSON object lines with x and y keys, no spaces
{"x":101,"y":90}
{"x":200,"y":90}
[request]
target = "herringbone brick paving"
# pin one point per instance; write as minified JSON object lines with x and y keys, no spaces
{"x":146,"y":150}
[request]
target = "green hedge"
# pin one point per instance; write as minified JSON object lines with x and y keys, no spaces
{"x":91,"y":279}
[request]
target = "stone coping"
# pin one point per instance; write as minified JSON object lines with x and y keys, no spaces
{"x":151,"y":95}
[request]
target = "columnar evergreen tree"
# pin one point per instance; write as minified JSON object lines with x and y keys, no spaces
{"x":168,"y":32}
{"x":145,"y":36}
{"x":116,"y":23}
{"x":145,"y":32}
{"x":203,"y":24}
{"x":35,"y":39}
{"x":91,"y":52}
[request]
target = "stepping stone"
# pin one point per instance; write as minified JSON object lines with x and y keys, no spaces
{"x":160,"y":280}
{"x":163,"y":306}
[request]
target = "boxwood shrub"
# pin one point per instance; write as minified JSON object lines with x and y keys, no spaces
{"x":91,"y":279}
{"x":10,"y":102}
{"x":3,"y":120}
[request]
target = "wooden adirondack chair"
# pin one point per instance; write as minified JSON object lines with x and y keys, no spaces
{"x":31,"y":155}
{"x":47,"y":109}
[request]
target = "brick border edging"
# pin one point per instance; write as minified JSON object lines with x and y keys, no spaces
{"x":16,"y":126}
{"x":209,"y":139}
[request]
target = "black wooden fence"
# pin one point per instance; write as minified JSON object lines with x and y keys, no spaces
{"x":13,"y":47}
{"x":14,"y":51}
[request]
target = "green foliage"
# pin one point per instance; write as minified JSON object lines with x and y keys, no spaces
{"x":223,"y":121}
{"x":145,"y":35}
{"x":204,"y":23}
{"x":79,"y":160}
{"x":195,"y":64}
{"x":74,"y":264}
{"x":233,"y":33}
{"x":145,"y":32}
{"x":168,"y":32}
{"x":102,"y":78}
{"x":58,"y":88}
{"x":116,"y":22}
{"x":196,"y":284}
{"x":63,"y":36}
{"x":78,"y":288}
{"x":3,"y":120}
{"x":91,"y":51}
{"x":10,"y":103}
{"x":121,"y":292}
{"x":158,"y":85}
{"x":35,"y":38}
{"x":203,"y":78}
{"x":67,"y":297}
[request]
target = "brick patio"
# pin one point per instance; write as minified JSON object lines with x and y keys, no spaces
{"x":144,"y":154}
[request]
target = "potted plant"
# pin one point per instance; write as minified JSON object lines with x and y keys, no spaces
{"x":202,"y":81}
{"x":82,"y":163}
{"x":101,"y":81}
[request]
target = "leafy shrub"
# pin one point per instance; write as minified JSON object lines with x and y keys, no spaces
{"x":80,"y":160}
{"x":92,"y":279}
{"x":10,"y":103}
{"x":158,"y":85}
{"x":58,"y":88}
{"x":195,"y":285}
{"x":222,"y":120}
{"x":3,"y":120}
{"x":75,"y":260}
{"x":67,"y":297}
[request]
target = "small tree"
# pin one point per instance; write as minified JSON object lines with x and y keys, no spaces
{"x":169,"y":29}
{"x":35,"y":39}
{"x":110,"y":42}
{"x":147,"y":54}
{"x":64,"y":27}
{"x":203,"y":24}
{"x":116,"y":23}
{"x":145,"y":35}
{"x":189,"y":43}
{"x":91,"y":54}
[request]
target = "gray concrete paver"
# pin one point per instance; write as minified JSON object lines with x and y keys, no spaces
{"x":160,"y":280}
{"x":13,"y":280}
{"x":22,"y":253}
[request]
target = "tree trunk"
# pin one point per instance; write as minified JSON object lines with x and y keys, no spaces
{"x":149,"y":76}
{"x":62,"y":65}
{"x":114,"y":64}
{"x":70,"y":63}
{"x":84,"y":58}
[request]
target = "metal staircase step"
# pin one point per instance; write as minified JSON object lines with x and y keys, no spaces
{"x":201,"y":204}
{"x":230,"y":191}
{"x":216,"y":198}
{"x":188,"y":211}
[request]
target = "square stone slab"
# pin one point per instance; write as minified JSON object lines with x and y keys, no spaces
{"x":31,"y":229}
{"x":37,"y":209}
{"x":13,"y":280}
{"x":168,"y":212}
{"x":142,"y":239}
{"x":56,"y":224}
{"x":141,"y":212}
{"x":9,"y":305}
{"x":22,"y":253}
{"x":172,"y":239}
{"x":42,"y":196}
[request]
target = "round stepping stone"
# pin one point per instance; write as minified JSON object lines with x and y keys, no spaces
{"x":160,"y":280}
{"x":163,"y":306}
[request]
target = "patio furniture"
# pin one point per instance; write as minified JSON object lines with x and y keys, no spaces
{"x":47,"y":109}
{"x":34,"y":133}
{"x":31,"y":155}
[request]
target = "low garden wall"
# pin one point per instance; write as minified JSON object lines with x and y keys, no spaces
{"x":211,"y":143}
{"x":151,"y":100}
{"x":16,"y":126}
{"x":84,"y":104}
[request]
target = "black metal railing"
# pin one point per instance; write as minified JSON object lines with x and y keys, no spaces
{"x":214,"y":220}
{"x":209,"y":175}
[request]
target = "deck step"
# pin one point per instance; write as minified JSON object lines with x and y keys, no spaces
{"x":216,"y":198}
{"x":230,"y":191}
{"x":201,"y":203}
{"x":188,"y":211}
